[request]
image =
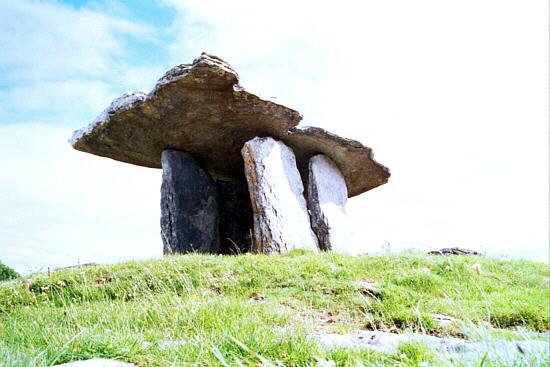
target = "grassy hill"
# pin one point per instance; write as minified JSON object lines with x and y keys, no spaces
{"x":262,"y":310}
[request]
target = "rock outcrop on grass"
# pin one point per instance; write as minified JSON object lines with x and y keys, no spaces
{"x":201,"y":110}
{"x":457,"y":349}
{"x":454,"y":251}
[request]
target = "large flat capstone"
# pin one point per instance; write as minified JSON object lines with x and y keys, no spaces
{"x":326,"y":197}
{"x":201,"y":109}
{"x":281,"y":219}
{"x":189,"y":205}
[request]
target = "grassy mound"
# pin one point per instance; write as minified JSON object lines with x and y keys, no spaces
{"x":7,"y":273}
{"x":252,"y":309}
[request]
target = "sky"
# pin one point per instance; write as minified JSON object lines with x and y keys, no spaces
{"x":452,"y":96}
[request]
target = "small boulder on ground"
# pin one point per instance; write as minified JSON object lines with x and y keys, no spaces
{"x":369,"y":288}
{"x":454,"y":251}
{"x":443,"y":320}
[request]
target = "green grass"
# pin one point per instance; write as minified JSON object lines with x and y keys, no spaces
{"x":256,"y":309}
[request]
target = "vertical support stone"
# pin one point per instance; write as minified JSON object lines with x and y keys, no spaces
{"x":281,"y":219}
{"x":236,"y":218}
{"x":189,"y":205}
{"x":327,"y":197}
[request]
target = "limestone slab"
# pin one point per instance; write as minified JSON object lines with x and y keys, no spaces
{"x":327,"y":196}
{"x":354,"y":160}
{"x":189,"y":205}
{"x":198,"y":108}
{"x":281,"y":219}
{"x":201,"y":109}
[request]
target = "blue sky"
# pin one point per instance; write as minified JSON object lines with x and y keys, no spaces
{"x":36,"y":40}
{"x":452,"y":96}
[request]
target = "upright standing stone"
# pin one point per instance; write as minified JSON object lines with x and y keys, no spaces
{"x":236,"y":223}
{"x":189,"y":205}
{"x":281,"y":220}
{"x":327,"y":197}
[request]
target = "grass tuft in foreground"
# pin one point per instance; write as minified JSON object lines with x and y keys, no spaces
{"x":256,"y":309}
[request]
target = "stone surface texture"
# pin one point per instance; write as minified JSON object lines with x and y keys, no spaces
{"x":96,"y":362}
{"x":459,"y":349}
{"x":326,"y":198}
{"x":443,"y":320}
{"x":386,"y":342}
{"x":236,"y":218}
{"x":189,"y":205}
{"x":201,"y":109}
{"x":354,"y":160}
{"x":281,"y":219}
{"x":454,"y":251}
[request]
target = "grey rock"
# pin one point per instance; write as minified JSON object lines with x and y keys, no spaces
{"x":387,"y":342}
{"x":454,"y":251}
{"x":456,"y":349}
{"x":97,"y":362}
{"x":199,"y":108}
{"x":236,"y":218}
{"x":326,"y":198}
{"x":78,"y":266}
{"x":369,"y":288}
{"x":189,"y":205}
{"x":443,"y":320}
{"x":281,"y":219}
{"x":166,"y":344}
{"x":9,"y":283}
{"x":354,"y":160}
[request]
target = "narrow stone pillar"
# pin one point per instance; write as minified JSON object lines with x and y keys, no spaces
{"x":189,"y":205}
{"x":236,"y":218}
{"x":281,"y":219}
{"x":327,"y":197}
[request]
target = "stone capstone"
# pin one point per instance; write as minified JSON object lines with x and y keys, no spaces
{"x":197,"y":108}
{"x":201,"y":109}
{"x":189,"y":205}
{"x":326,"y":197}
{"x":354,"y":160}
{"x":281,"y":219}
{"x":236,"y":219}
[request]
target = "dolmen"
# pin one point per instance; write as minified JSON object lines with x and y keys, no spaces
{"x":238,"y":175}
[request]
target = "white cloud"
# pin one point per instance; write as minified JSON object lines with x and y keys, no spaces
{"x":59,"y":205}
{"x":451,"y":96}
{"x":57,"y":59}
{"x":45,"y":40}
